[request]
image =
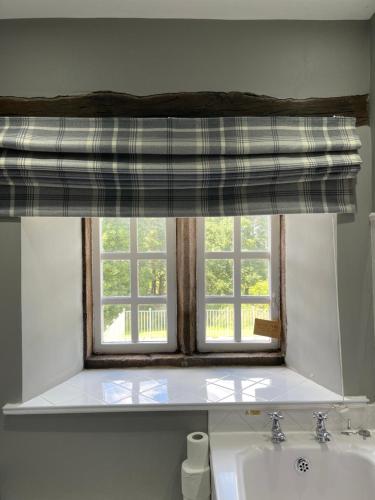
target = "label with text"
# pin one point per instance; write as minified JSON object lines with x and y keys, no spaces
{"x":267,"y":328}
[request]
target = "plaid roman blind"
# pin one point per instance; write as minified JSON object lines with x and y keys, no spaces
{"x":177,"y":166}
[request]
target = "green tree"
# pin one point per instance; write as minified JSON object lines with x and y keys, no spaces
{"x":219,"y":276}
{"x":254,"y":232}
{"x":152,"y":277}
{"x":254,"y":277}
{"x":115,"y":234}
{"x":218,"y":234}
{"x":151,"y":235}
{"x":152,"y":273}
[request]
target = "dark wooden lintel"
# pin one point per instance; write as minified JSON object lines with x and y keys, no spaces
{"x":193,"y":104}
{"x":181,"y":360}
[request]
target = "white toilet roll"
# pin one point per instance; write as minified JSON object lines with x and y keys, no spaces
{"x":197,"y":450}
{"x":195,"y":483}
{"x":195,"y":471}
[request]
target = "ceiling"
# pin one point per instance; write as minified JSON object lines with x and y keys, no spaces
{"x":189,"y":9}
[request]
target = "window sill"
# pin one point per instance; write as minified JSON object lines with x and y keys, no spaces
{"x":183,"y":361}
{"x":171,"y":389}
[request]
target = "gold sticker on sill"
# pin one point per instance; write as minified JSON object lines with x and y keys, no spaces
{"x":267,"y":328}
{"x":253,"y":413}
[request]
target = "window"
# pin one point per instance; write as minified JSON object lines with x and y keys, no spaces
{"x":134,"y":285}
{"x":234,"y":277}
{"x":237,"y":281}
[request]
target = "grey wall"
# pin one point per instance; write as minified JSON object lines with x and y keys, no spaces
{"x":298,"y":59}
{"x":313,"y":339}
{"x":10,"y":311}
{"x":52,"y":321}
{"x":372,"y":96}
{"x":95,"y":457}
{"x":355,"y":285}
{"x":136,"y":457}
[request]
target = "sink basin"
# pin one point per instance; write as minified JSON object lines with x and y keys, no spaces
{"x":248,"y":466}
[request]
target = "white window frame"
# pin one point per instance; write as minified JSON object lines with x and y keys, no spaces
{"x":236,"y":299}
{"x":134,"y":346}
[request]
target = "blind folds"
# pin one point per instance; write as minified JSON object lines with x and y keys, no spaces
{"x":177,"y":167}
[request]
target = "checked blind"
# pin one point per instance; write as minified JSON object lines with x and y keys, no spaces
{"x":177,"y":167}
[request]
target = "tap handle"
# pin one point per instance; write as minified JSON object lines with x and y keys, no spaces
{"x":275,"y":415}
{"x":320,"y":415}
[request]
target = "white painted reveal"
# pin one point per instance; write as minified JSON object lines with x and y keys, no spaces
{"x":51,"y":283}
{"x":313,"y":338}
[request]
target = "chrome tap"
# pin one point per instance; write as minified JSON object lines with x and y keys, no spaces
{"x":277,"y":434}
{"x":322,"y":435}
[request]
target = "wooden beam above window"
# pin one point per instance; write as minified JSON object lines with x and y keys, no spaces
{"x":185,"y":104}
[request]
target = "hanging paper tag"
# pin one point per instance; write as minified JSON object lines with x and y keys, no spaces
{"x":267,"y":328}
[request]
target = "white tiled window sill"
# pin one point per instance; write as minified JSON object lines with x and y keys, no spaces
{"x":158,"y":389}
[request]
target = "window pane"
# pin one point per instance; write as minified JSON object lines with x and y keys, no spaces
{"x":218,"y":234}
{"x":255,"y":277}
{"x":219,"y":277}
{"x":152,"y":323}
{"x":248,"y":314}
{"x":115,"y":235}
{"x":255,"y":232}
{"x":116,"y":278}
{"x":151,"y":233}
{"x":117,"y":323}
{"x":152,"y":277}
{"x":219,"y":322}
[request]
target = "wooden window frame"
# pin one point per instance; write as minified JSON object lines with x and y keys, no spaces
{"x":186,"y":353}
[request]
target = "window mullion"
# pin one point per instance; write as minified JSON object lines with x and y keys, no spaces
{"x":186,"y":260}
{"x":237,"y":277}
{"x":134,"y":280}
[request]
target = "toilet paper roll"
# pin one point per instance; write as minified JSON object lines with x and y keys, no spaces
{"x":195,"y":483}
{"x":197,"y":450}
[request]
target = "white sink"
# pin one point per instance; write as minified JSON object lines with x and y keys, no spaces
{"x":247,"y":466}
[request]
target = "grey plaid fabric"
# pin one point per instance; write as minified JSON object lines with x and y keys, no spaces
{"x":177,"y":166}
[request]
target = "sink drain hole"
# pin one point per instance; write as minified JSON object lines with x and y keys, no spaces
{"x":302,"y":465}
